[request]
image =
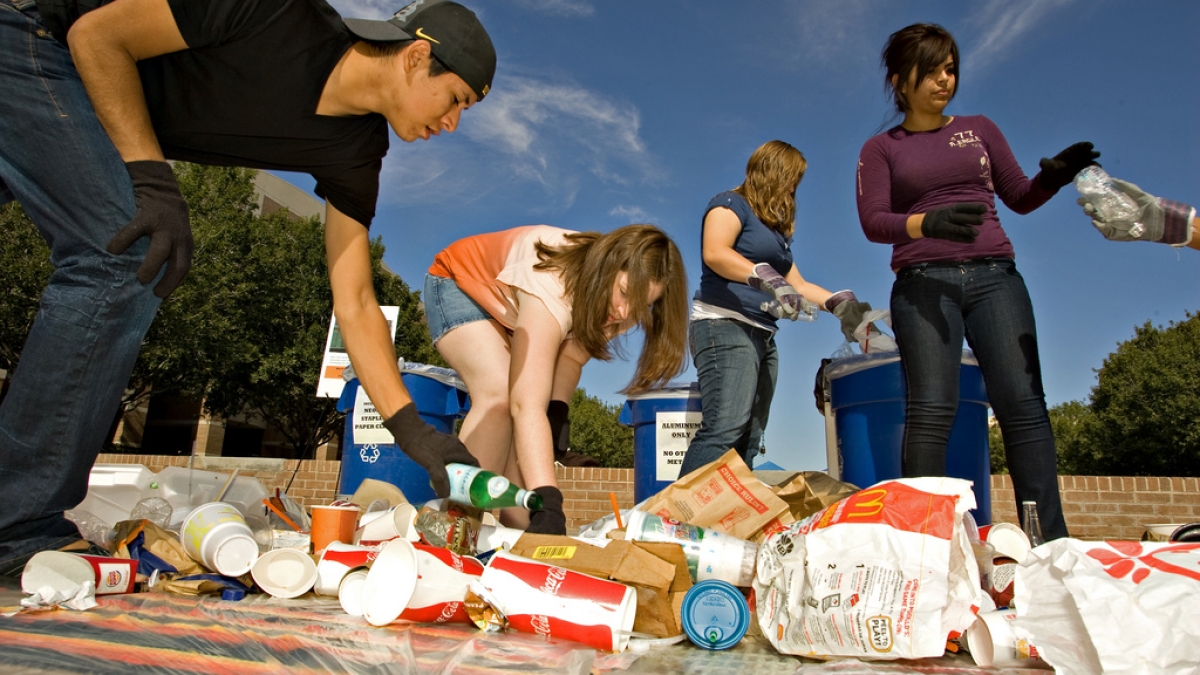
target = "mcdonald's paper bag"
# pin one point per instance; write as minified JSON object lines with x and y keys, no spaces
{"x":724,"y":496}
{"x":886,"y":573}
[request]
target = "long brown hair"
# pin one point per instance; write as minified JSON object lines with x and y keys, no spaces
{"x":772,"y":176}
{"x":589,"y":263}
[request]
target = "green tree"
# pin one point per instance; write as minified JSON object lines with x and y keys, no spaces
{"x":24,"y":270}
{"x":1071,"y":424}
{"x":596,"y":432}
{"x":1146,"y":403}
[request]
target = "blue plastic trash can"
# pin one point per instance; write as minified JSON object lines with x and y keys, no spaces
{"x":438,"y":404}
{"x":868,"y":394}
{"x":664,"y":422}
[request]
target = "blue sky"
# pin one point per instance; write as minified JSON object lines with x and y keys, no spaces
{"x":607,"y":112}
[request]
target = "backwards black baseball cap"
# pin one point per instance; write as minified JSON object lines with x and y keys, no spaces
{"x":453,"y":31}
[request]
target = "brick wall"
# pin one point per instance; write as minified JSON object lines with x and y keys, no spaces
{"x":1096,"y":507}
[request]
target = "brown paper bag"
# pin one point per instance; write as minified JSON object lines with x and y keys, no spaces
{"x":724,"y":496}
{"x":810,"y":491}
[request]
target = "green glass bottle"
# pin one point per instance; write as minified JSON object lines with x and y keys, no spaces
{"x":486,"y":490}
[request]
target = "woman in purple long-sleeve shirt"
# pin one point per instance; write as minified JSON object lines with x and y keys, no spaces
{"x":928,"y":188}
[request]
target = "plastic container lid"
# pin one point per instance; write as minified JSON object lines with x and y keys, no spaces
{"x":715,"y":614}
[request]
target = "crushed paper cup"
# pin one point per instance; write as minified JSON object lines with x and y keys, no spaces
{"x":390,"y":583}
{"x":443,"y":578}
{"x":53,"y":578}
{"x":377,"y":527}
{"x":284,"y":572}
{"x":992,"y":643}
{"x":535,"y":597}
{"x":337,"y":560}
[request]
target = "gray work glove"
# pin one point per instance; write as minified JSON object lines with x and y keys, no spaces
{"x":426,"y":446}
{"x":957,"y":222}
{"x":848,"y":310}
{"x":1161,"y":220}
{"x":161,"y":215}
{"x":766,"y":279}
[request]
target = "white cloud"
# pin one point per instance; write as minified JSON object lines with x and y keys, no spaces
{"x":1003,"y":24}
{"x":569,"y":8}
{"x":631,"y":214}
{"x":556,"y":136}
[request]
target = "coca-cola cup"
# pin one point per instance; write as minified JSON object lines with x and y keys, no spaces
{"x":442,"y":580}
{"x":555,"y":602}
{"x":336,"y":562}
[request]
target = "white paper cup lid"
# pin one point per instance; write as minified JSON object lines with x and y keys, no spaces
{"x":390,"y":583}
{"x":284,"y":572}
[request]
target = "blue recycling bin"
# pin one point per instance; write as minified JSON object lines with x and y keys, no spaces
{"x":664,"y":422}
{"x":868,"y":394}
{"x":438,"y":403}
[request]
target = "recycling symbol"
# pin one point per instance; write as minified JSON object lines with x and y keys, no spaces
{"x":369,"y":453}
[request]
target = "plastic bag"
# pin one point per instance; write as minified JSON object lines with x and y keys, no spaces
{"x":870,"y":337}
{"x":1111,"y":607}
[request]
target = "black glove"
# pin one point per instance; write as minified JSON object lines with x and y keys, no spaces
{"x":426,"y":446}
{"x":161,"y":215}
{"x":550,"y":518}
{"x":959,"y":222}
{"x":848,"y":310}
{"x":1061,"y":170}
{"x":560,"y":427}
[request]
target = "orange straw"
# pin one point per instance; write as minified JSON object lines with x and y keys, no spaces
{"x":282,"y":515}
{"x":616,"y":511}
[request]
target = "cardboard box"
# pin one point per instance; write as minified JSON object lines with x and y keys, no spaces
{"x":657,"y":572}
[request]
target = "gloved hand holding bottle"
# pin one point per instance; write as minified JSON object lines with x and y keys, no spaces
{"x":1159,"y":219}
{"x":426,"y":446}
{"x":766,"y":279}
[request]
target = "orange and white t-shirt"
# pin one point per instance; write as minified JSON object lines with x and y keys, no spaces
{"x":489,"y":267}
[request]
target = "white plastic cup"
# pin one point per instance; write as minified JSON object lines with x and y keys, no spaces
{"x":992,"y":643}
{"x":396,"y":522}
{"x":284,"y":572}
{"x":350,"y":591}
{"x":217,"y":536}
{"x":443,"y":577}
{"x":555,"y":602}
{"x":337,"y":561}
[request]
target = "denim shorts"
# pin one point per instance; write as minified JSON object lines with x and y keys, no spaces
{"x":447,"y":307}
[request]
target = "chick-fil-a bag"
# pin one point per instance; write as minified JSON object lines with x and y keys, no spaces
{"x":886,"y":573}
{"x":1111,"y":607}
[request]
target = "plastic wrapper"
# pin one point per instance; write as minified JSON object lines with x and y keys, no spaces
{"x":448,"y":529}
{"x":886,"y":573}
{"x":1111,"y":607}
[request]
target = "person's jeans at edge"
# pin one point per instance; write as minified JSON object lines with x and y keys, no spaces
{"x":58,"y":162}
{"x":737,"y":366}
{"x":934,"y":306}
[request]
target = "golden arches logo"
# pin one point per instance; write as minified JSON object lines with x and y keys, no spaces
{"x":866,"y":504}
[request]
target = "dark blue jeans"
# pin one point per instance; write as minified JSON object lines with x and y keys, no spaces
{"x":58,"y":162}
{"x":934,"y":306}
{"x":737,"y":366}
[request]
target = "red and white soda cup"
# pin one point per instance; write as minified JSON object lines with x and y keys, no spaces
{"x":337,"y":560}
{"x":442,"y":580}
{"x":536,"y":597}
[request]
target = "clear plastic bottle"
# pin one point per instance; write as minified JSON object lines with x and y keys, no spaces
{"x":1032,"y":524}
{"x":808,"y":309}
{"x":486,"y":490}
{"x":1112,"y":206}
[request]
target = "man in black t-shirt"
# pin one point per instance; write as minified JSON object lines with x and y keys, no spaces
{"x":271,"y":84}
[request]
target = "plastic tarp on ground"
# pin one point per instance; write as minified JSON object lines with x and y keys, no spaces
{"x":164,"y":634}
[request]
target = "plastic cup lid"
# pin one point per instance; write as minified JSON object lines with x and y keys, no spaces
{"x":284,"y":572}
{"x":715,"y":614}
{"x":390,"y":582}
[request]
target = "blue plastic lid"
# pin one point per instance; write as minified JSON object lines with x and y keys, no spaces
{"x":232,"y":594}
{"x":715,"y":614}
